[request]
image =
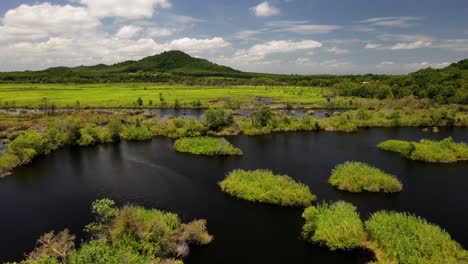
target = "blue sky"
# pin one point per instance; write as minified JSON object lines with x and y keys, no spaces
{"x":278,"y":36}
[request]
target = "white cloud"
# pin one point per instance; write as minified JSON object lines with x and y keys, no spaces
{"x":411,"y":45}
{"x":132,"y":9}
{"x":45,"y":20}
{"x":260,"y":51}
{"x":265,"y":9}
{"x":453,"y":45}
{"x":372,"y":46}
{"x":402,"y":21}
{"x":192,"y":45}
{"x":338,"y":51}
{"x":301,"y":27}
{"x":127,"y":32}
{"x":160,"y":32}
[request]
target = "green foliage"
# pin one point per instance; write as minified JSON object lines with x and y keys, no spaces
{"x":262,"y":117}
{"x":206,"y":146}
{"x":265,"y":187}
{"x":358,"y":177}
{"x":217,"y":119}
{"x":27,"y":146}
{"x":136,"y":133}
{"x":129,"y":235}
{"x":408,"y":239}
{"x":444,"y":151}
{"x":336,"y":226}
{"x":8,"y":162}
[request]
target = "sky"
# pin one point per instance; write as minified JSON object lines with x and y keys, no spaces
{"x":274,"y":36}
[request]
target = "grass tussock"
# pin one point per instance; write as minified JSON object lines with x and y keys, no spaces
{"x":210,"y":146}
{"x":444,"y":151}
{"x":359,"y":177}
{"x":336,"y":226}
{"x":404,"y":238}
{"x":265,"y":187}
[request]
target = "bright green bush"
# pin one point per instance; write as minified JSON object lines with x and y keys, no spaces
{"x":444,"y":151}
{"x":217,"y":119}
{"x":136,"y":133}
{"x":336,"y":226}
{"x":265,"y":187}
{"x":8,"y":162}
{"x":358,"y":177}
{"x":407,"y":239}
{"x":206,"y":146}
{"x":27,"y":146}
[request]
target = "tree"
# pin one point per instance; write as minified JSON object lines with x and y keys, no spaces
{"x":52,"y":245}
{"x":139,"y":101}
{"x":263,"y":116}
{"x":217,"y":119}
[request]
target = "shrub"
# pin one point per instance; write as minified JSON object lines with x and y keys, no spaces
{"x":27,"y":146}
{"x":206,"y":146}
{"x":358,"y":177}
{"x":8,"y":162}
{"x":336,"y":226}
{"x":136,"y":133}
{"x":404,"y":238}
{"x":217,"y":119}
{"x":265,"y":187}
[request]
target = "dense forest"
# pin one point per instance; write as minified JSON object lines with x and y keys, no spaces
{"x":448,"y":85}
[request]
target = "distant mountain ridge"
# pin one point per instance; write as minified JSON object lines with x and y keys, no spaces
{"x":166,"y":62}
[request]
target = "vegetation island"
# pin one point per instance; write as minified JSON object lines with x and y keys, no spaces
{"x":209,"y":146}
{"x":265,"y":187}
{"x":444,"y":151}
{"x":358,"y":177}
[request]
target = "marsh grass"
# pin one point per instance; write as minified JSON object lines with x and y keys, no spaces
{"x":337,"y":226}
{"x":444,"y":151}
{"x":209,"y":146}
{"x":404,"y":238}
{"x":359,"y":177}
{"x":265,"y":187}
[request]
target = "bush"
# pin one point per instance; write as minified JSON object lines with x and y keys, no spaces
{"x":137,"y":133}
{"x":217,"y":119}
{"x":8,"y":162}
{"x":265,"y":187}
{"x":206,"y":146}
{"x":27,"y":146}
{"x":444,"y":151}
{"x":405,"y":238}
{"x":358,"y":177}
{"x":336,"y":226}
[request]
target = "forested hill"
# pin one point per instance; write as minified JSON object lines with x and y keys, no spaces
{"x":176,"y":62}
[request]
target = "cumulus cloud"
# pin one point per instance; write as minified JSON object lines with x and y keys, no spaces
{"x":265,"y":9}
{"x":132,"y":9}
{"x":372,"y":46}
{"x":338,"y":51}
{"x":46,"y":20}
{"x":128,"y":31}
{"x":198,"y":45}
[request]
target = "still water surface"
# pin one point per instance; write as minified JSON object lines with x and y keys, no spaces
{"x":55,"y":192}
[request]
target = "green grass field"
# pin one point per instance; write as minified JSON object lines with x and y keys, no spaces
{"x":126,"y":95}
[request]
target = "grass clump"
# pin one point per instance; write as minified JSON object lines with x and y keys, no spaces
{"x":444,"y":151}
{"x":265,"y":187}
{"x":358,"y":177}
{"x":210,"y":146}
{"x":337,"y":225}
{"x":404,"y":238}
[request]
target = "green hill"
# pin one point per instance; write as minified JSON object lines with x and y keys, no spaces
{"x":176,"y":62}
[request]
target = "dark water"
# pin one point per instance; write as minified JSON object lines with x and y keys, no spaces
{"x":56,"y":191}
